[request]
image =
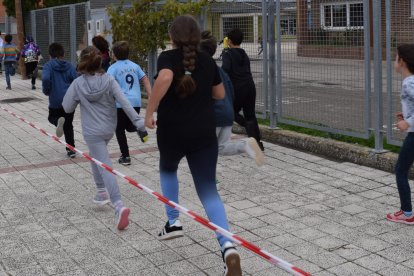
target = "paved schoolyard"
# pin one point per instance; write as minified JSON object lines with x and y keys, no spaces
{"x":328,"y":218}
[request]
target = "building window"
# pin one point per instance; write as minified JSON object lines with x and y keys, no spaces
{"x":340,"y":16}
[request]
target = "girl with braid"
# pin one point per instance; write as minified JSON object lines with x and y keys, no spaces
{"x":186,"y":84}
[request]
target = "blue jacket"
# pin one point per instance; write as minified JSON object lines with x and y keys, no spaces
{"x":224,"y":108}
{"x":57,"y":76}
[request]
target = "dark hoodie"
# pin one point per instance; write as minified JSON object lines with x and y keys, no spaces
{"x":57,"y":76}
{"x":236,"y":64}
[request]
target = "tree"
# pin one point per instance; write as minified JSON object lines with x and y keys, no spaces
{"x":27,"y":5}
{"x":145,"y":24}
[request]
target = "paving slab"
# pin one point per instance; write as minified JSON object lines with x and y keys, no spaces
{"x":324,"y":216}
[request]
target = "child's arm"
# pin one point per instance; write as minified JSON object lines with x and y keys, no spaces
{"x":46,"y":80}
{"x":161,"y":85}
{"x":71,"y":99}
{"x":147,"y":85}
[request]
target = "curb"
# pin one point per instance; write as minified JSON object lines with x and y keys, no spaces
{"x":332,"y":149}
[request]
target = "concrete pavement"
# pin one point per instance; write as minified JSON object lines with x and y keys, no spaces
{"x":326,"y":217}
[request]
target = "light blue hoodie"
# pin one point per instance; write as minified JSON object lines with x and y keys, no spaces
{"x":97,"y":95}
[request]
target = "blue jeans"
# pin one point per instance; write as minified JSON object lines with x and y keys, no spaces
{"x":405,"y":160}
{"x":202,"y":165}
{"x":9,"y":70}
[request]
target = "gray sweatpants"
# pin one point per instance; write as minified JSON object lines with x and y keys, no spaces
{"x":227,"y":147}
{"x":104,"y":179}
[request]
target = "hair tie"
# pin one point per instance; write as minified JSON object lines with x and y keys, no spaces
{"x":187,"y":73}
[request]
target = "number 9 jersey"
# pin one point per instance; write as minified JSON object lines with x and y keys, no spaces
{"x":128,"y":74}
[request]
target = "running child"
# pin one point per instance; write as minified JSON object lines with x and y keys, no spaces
{"x":404,"y":65}
{"x":97,"y":94}
{"x":223,"y":110}
{"x":128,"y":75}
{"x":57,"y":76}
{"x":236,"y":64}
{"x":31,"y":55}
{"x":187,"y":82}
{"x":10,"y":55}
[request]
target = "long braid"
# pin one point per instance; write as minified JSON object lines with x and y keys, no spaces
{"x":186,"y":85}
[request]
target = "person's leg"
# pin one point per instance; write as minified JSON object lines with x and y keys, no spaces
{"x":120,"y":132}
{"x":53,"y":116}
{"x":68,"y":127}
{"x":98,"y":149}
{"x":405,"y":160}
{"x":169,"y":161}
{"x":7,"y":72}
{"x":34,"y":73}
{"x":239,"y":98}
{"x":225,"y":146}
{"x":249,"y":111}
{"x":202,"y":165}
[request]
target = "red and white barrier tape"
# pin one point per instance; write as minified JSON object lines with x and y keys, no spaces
{"x":264,"y":254}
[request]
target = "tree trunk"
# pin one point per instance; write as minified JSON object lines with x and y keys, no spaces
{"x":20,"y":35}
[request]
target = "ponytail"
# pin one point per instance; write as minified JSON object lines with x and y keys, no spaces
{"x":186,"y":84}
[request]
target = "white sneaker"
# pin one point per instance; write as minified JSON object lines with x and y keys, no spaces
{"x":59,"y":127}
{"x":253,"y":150}
{"x":231,"y":259}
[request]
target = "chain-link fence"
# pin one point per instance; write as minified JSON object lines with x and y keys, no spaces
{"x":399,"y":29}
{"x":63,"y":24}
{"x":321,"y":64}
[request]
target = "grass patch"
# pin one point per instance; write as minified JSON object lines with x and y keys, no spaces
{"x":338,"y":137}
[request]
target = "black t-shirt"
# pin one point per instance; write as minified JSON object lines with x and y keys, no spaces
{"x":189,"y":120}
{"x":236,"y":64}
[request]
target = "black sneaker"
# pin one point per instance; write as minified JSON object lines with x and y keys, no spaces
{"x":71,"y":153}
{"x":8,"y":88}
{"x":231,"y":259}
{"x":124,"y":160}
{"x":170,"y":232}
{"x":261,"y":146}
{"x":33,"y":87}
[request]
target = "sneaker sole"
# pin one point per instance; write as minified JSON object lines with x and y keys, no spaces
{"x":125,"y":164}
{"x":102,"y":203}
{"x":172,"y":235}
{"x":123,"y":221}
{"x":259,"y":156}
{"x":400,"y":221}
{"x":233,"y":265}
{"x":59,"y":127}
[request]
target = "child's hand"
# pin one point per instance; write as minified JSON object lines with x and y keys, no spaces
{"x":403,"y":125}
{"x":399,"y":116}
{"x":149,"y":122}
{"x":143,"y":135}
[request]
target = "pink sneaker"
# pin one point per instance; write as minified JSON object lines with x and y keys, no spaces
{"x":122,"y":217}
{"x":400,"y":217}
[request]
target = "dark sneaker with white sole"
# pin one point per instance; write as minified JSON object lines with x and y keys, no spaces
{"x":231,"y":259}
{"x":124,"y":160}
{"x":170,"y":232}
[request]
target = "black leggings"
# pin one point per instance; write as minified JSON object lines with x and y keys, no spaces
{"x":54,"y":115}
{"x":31,"y":71}
{"x":245,"y":99}
{"x":124,"y":124}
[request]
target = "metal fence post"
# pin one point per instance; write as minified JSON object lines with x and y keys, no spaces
{"x":272,"y":62}
{"x":51,"y":27}
{"x":378,"y":125}
{"x":33,"y":24}
{"x":278,"y":90}
{"x":152,"y":65}
{"x":72,"y":21}
{"x":367,"y":65}
{"x":265,"y":57}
